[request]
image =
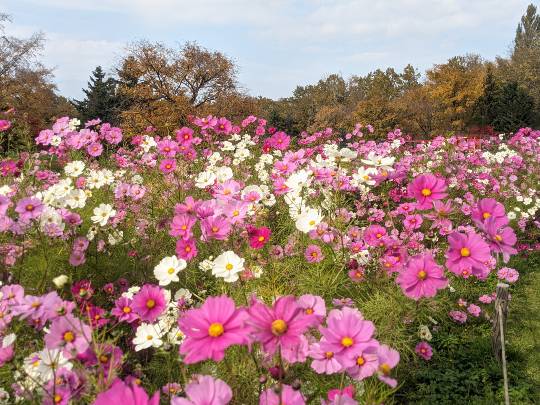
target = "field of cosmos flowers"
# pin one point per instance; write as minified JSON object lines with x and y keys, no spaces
{"x":230,"y":263}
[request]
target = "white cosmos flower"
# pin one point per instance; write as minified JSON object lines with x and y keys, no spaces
{"x":74,"y":168}
{"x":76,"y":199}
{"x":364,"y":175}
{"x":308,"y":220}
{"x":147,"y":335}
{"x":51,"y":361}
{"x":227,"y":265}
{"x":223,"y":173}
{"x":183,"y":293}
{"x":102,"y":213}
{"x":168,"y":268}
{"x":205,"y":179}
{"x":379,"y":161}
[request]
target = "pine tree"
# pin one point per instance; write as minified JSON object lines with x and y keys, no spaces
{"x":515,"y":108}
{"x":101,"y":99}
{"x":528,"y":29}
{"x":487,"y":106}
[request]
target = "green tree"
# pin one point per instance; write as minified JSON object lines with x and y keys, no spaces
{"x":515,"y":108}
{"x":487,"y":107}
{"x":101,"y":101}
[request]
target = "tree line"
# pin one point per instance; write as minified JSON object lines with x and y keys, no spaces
{"x":155,"y":85}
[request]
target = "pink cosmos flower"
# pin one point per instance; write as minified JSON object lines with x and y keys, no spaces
{"x":167,"y":148}
{"x":7,"y":351}
{"x":324,"y":362}
{"x":4,"y":125}
{"x":345,"y":334}
{"x":223,"y":126}
{"x":211,"y":329}
{"x":29,"y":208}
{"x":282,"y":325}
{"x":258,"y":237}
{"x":485,"y":299}
{"x":427,"y":188}
{"x":181,"y":226}
{"x":424,"y":350}
{"x":502,"y":239}
{"x":422,"y":277}
{"x":95,"y":149}
{"x":374,"y":235}
{"x":366,"y":361}
{"x":489,"y":208}
{"x":314,"y":308}
{"x":184,"y":135}
{"x":474,"y":310}
{"x":123,"y":310}
{"x":205,"y":390}
{"x":413,"y":221}
{"x":126,"y":394}
{"x":313,"y":254}
{"x":388,"y":359}
{"x":458,"y":316}
{"x":215,"y":227}
{"x":508,"y":274}
{"x":149,"y":303}
{"x":167,"y":166}
{"x":186,"y":249}
{"x":280,"y":140}
{"x":287,"y":396}
{"x":70,"y":334}
{"x":468,"y":254}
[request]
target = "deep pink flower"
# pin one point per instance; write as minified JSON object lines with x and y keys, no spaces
{"x":427,"y":188}
{"x":345,"y":334}
{"x":280,"y":140}
{"x":205,"y":390}
{"x":123,"y":310}
{"x":4,"y":125}
{"x":508,"y":274}
{"x":186,"y":249}
{"x":167,"y":148}
{"x":424,"y":350}
{"x":413,"y":221}
{"x":211,"y":329}
{"x":502,"y":239}
{"x":69,"y":333}
{"x":489,"y":208}
{"x":313,"y":254}
{"x":223,"y":126}
{"x":167,"y":166}
{"x":181,"y":226}
{"x":126,"y":394}
{"x":422,"y":277}
{"x":149,"y":303}
{"x":374,"y":235}
{"x":468,"y":254}
{"x":282,"y":325}
{"x":258,"y":237}
{"x":215,"y":227}
{"x":474,"y":310}
{"x":287,"y":396}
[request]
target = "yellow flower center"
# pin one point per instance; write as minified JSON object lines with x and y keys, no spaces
{"x":498,"y":238}
{"x":360,"y":360}
{"x":379,"y":235}
{"x":236,"y":213}
{"x":422,"y":275}
{"x":329,"y":355}
{"x":126,"y":310}
{"x":385,"y":368}
{"x":486,"y":215}
{"x":312,"y":222}
{"x":150,"y":304}
{"x":171,"y":270}
{"x":229,"y":266}
{"x":149,"y":337}
{"x":29,"y":207}
{"x":103,"y":358}
{"x":279,"y":327}
{"x":465,"y":252}
{"x":309,"y":311}
{"x":69,"y":336}
{"x":57,"y":398}
{"x":216,"y":329}
{"x":261,"y":238}
{"x":347,"y":342}
{"x":426,"y":192}
{"x":215,"y":229}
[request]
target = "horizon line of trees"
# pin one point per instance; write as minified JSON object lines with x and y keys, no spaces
{"x":154,"y":85}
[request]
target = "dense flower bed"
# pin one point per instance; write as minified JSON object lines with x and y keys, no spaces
{"x":235,"y":264}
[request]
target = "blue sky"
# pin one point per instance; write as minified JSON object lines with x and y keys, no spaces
{"x":277,"y":44}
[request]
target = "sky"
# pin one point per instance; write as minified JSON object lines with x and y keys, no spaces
{"x":277,"y":44}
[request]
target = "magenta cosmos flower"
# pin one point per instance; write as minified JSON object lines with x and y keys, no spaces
{"x":282,"y":325}
{"x":366,"y":361}
{"x":211,"y":329}
{"x":314,"y":308}
{"x":149,"y":303}
{"x":422,"y":277}
{"x":288,"y":395}
{"x":126,"y":394}
{"x":427,"y":188}
{"x":4,"y":125}
{"x":345,"y":334}
{"x":468,"y":254}
{"x":70,"y":334}
{"x":167,"y":166}
{"x":502,"y":239}
{"x":206,"y":390}
{"x":258,"y":237}
{"x":489,"y":208}
{"x":424,"y":350}
{"x":313,"y":254}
